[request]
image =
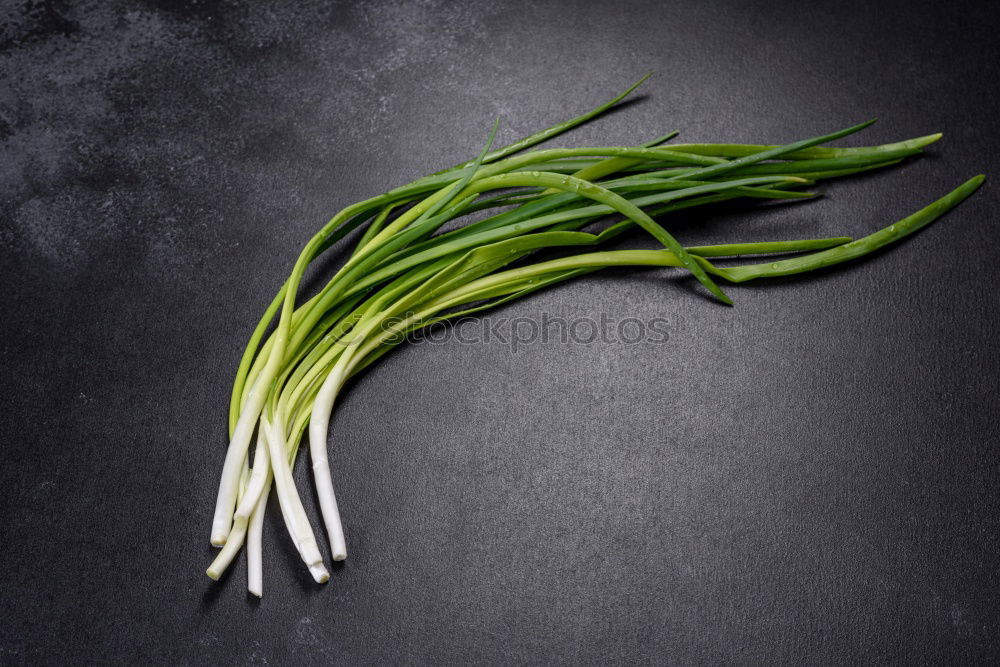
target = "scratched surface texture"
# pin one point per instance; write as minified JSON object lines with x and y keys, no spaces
{"x":812,"y":476}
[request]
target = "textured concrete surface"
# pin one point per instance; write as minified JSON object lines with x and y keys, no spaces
{"x":811,"y":476}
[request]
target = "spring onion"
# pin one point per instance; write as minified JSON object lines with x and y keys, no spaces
{"x":405,"y":273}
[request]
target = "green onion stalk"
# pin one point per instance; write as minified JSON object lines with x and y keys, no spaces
{"x":406,"y":272}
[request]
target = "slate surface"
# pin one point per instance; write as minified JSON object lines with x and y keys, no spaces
{"x":811,"y":476}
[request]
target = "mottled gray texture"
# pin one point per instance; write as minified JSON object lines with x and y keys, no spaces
{"x":811,"y":476}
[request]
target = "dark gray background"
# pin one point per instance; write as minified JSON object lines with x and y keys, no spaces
{"x":810,"y":476}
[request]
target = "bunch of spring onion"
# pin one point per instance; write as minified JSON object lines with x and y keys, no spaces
{"x":405,"y":273}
